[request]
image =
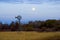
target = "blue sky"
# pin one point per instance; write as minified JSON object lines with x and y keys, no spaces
{"x":44,"y":9}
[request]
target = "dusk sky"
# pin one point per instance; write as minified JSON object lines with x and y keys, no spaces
{"x":30,"y":10}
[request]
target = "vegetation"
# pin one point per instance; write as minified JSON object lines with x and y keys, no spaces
{"x":30,"y":35}
{"x":34,"y":30}
{"x":40,"y":26}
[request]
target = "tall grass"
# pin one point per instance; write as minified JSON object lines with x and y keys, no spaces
{"x":29,"y":36}
{"x":56,"y":37}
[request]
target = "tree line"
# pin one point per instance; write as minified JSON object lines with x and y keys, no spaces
{"x":40,"y":26}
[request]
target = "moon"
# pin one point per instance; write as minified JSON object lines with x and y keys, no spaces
{"x":33,"y":9}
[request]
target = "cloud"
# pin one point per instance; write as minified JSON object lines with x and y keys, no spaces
{"x":43,"y":1}
{"x":12,"y":1}
{"x":32,"y":1}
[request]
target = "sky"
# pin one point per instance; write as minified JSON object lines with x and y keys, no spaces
{"x":30,"y":10}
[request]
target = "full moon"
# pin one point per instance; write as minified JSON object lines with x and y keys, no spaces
{"x":33,"y":9}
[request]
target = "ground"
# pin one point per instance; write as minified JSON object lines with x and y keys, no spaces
{"x":26,"y":35}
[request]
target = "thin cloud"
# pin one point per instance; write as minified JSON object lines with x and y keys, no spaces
{"x":12,"y":1}
{"x":32,"y":1}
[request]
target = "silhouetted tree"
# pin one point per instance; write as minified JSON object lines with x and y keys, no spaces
{"x":1,"y":26}
{"x":12,"y":26}
{"x":17,"y":26}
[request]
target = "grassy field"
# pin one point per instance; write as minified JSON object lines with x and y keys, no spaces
{"x":27,"y":35}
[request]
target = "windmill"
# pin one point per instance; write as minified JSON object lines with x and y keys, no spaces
{"x":19,"y":18}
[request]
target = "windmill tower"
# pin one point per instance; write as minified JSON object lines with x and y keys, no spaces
{"x":19,"y":21}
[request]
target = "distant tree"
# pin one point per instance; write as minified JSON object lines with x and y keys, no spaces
{"x":50,"y":23}
{"x":1,"y":26}
{"x":12,"y":26}
{"x":37,"y":24}
{"x":16,"y":26}
{"x":5,"y":27}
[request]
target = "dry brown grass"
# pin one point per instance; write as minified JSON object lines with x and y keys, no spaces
{"x":27,"y":35}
